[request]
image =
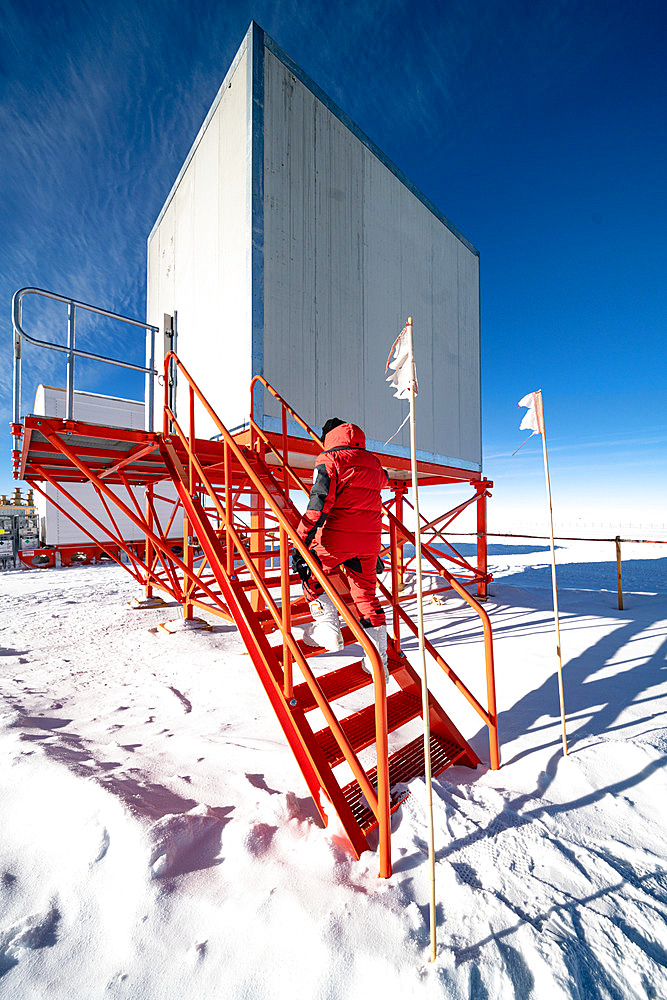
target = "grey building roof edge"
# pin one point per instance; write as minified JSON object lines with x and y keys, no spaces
{"x":345,"y":119}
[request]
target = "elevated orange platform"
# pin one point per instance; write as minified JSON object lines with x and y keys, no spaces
{"x":236,"y":494}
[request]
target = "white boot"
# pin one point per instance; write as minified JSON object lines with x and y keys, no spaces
{"x":378,"y":635}
{"x":325,"y":628}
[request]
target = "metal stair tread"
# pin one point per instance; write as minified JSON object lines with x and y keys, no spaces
{"x":335,"y":684}
{"x":404,"y":765}
{"x":359,"y":728}
{"x":349,"y":639}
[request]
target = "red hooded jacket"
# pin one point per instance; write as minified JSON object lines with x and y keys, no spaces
{"x":345,"y":500}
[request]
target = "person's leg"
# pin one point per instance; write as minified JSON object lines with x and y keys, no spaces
{"x":325,"y":628}
{"x":361,"y":575}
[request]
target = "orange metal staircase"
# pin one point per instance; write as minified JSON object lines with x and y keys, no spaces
{"x":240,"y":531}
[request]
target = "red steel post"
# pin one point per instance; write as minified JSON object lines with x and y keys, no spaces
{"x":399,"y":492}
{"x":148,"y":551}
{"x":481,"y":489}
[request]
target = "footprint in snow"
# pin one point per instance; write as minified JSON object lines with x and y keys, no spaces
{"x":185,"y":702}
{"x":260,"y":838}
{"x":30,"y":934}
{"x":105,"y":840}
{"x":198,"y":951}
{"x":185,"y":842}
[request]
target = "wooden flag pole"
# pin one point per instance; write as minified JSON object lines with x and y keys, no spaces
{"x":420,"y":609}
{"x":553,"y":575}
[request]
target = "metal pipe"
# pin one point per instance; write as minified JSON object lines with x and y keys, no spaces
{"x":72,"y":352}
{"x":17,"y":374}
{"x":482,"y":549}
{"x":18,"y":297}
{"x":69,"y":391}
{"x":16,"y":440}
{"x":285,"y":598}
{"x":490,"y":717}
{"x":149,"y":381}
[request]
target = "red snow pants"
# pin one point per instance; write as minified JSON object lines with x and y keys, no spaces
{"x":361,"y":574}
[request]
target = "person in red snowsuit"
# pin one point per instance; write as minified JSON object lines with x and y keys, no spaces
{"x":342,"y":527}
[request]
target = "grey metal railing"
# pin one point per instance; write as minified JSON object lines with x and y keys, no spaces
{"x":72,"y":351}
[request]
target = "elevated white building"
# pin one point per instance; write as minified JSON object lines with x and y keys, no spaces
{"x":291,"y":247}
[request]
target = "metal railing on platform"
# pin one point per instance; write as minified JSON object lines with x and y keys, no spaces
{"x":72,"y":352}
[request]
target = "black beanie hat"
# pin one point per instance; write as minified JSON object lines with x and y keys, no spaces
{"x":329,"y":426}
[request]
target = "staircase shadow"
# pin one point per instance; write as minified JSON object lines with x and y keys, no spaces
{"x":592,"y":692}
{"x":145,"y":799}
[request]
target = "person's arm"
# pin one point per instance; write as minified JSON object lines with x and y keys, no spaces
{"x":322,"y":498}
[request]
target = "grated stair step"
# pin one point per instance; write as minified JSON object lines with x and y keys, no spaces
{"x":360,"y":727}
{"x":405,"y":764}
{"x":348,"y":638}
{"x":334,"y":684}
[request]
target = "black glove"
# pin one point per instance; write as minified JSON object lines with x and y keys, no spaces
{"x":379,"y":567}
{"x":300,"y":566}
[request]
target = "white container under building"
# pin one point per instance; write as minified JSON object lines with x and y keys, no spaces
{"x":55,"y":528}
{"x":291,"y":247}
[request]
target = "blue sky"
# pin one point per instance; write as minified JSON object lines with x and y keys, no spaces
{"x":537,"y":128}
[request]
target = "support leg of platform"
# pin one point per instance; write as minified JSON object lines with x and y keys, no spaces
{"x":482,"y":554}
{"x":148,"y":553}
{"x":187,"y":581}
{"x":400,"y":492}
{"x":257,"y":533}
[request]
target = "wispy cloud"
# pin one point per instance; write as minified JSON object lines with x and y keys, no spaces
{"x":100,"y":102}
{"x":620,"y":448}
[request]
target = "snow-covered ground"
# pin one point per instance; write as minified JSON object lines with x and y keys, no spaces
{"x":157,"y":840}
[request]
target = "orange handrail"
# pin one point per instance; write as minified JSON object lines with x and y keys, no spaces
{"x":378,"y":801}
{"x":489,"y":716}
{"x":284,"y":404}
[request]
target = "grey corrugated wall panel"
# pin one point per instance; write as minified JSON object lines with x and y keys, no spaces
{"x":349,"y":253}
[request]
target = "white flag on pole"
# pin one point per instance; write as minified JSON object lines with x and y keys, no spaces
{"x":533,"y":419}
{"x":404,"y":378}
{"x":404,"y":382}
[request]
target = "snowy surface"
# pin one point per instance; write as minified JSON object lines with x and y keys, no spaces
{"x":157,"y":839}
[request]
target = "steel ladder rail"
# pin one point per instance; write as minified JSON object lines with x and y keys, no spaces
{"x":380,"y":800}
